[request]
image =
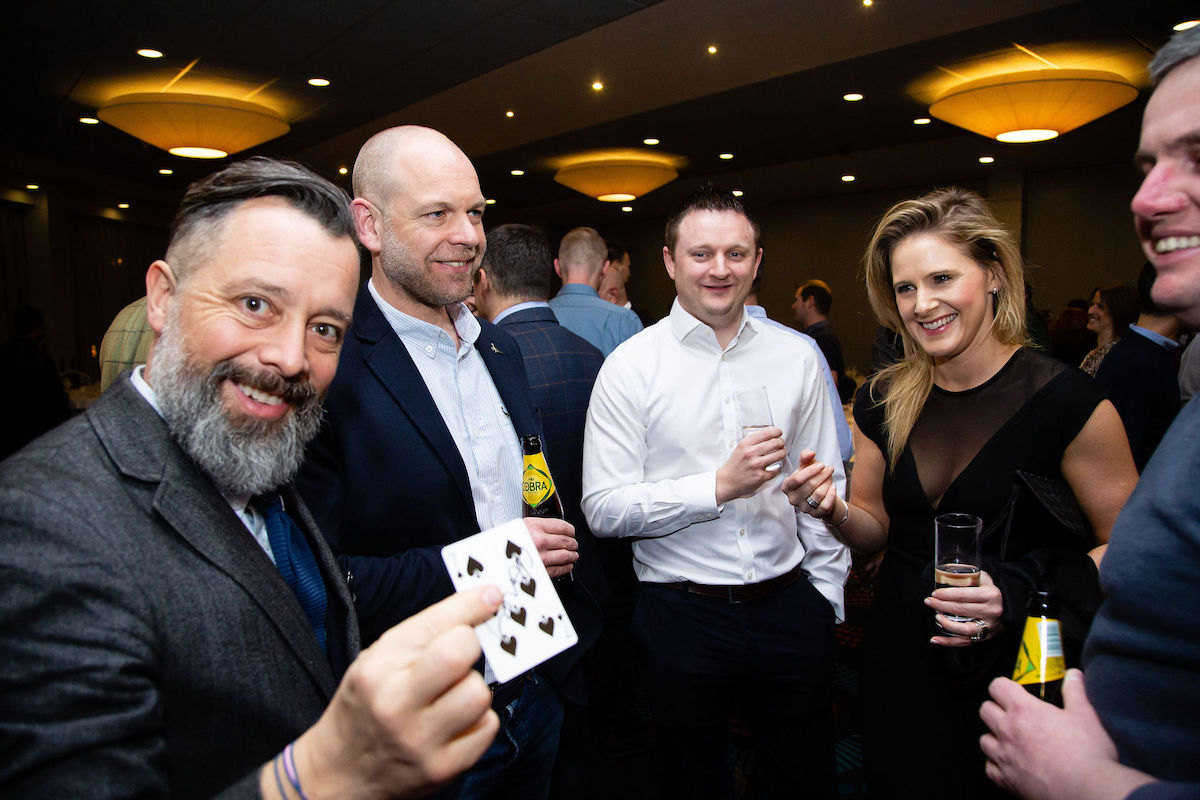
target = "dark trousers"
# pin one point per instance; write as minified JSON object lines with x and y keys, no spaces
{"x":772,"y":657}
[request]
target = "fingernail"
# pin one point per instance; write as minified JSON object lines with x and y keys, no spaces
{"x":492,"y":595}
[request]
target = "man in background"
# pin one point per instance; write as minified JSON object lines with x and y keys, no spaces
{"x":811,"y":310}
{"x":614,"y":284}
{"x":512,"y":285}
{"x":582,"y":259}
{"x":1139,"y":374}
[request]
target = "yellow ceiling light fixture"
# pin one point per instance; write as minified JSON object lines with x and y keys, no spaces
{"x":1035,"y":105}
{"x":616,"y":176}
{"x":193,"y":125}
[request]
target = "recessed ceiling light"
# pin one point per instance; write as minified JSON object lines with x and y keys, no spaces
{"x":89,"y":120}
{"x":986,"y":159}
{"x":318,"y":81}
{"x":1183,"y":26}
{"x":517,"y":172}
{"x":342,"y":170}
{"x":725,"y":156}
{"x":491,"y":201}
{"x":627,"y":208}
{"x":868,"y":2}
{"x":712,"y":49}
{"x":736,"y":192}
{"x":510,"y":114}
{"x":852,"y":97}
{"x":650,"y":141}
{"x":165,"y":171}
{"x":922,"y":121}
{"x":847,"y":178}
{"x":597,"y":86}
{"x":122,"y":205}
{"x":147,"y":52}
{"x":33,"y":187}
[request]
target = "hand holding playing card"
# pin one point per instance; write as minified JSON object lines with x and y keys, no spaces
{"x":531,"y":624}
{"x":555,"y":542}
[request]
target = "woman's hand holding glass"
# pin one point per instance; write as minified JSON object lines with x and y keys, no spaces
{"x":983,"y":603}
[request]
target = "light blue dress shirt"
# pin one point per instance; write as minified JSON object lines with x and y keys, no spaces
{"x":580,"y":310}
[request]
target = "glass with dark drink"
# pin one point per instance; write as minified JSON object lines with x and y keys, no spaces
{"x":956,"y":554}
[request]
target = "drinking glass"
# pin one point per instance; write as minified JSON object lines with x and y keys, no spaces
{"x":956,"y":553}
{"x":754,"y":412}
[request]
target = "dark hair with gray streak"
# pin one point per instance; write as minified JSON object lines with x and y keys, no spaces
{"x":1182,"y":47}
{"x":210,"y":200}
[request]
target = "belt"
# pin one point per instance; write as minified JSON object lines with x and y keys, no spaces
{"x":505,"y":693}
{"x":740,"y":593}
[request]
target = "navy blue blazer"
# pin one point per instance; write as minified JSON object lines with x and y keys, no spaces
{"x":383,"y":477}
{"x":562,"y":368}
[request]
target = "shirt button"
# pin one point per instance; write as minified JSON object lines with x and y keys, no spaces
{"x":429,"y":349}
{"x":726,"y":401}
{"x":749,"y":576}
{"x":730,"y":445}
{"x":742,"y":532}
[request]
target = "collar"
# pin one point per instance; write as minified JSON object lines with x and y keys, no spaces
{"x":577,"y":288}
{"x":1154,"y":336}
{"x":418,"y":331}
{"x":519,"y":307}
{"x":684,"y":324}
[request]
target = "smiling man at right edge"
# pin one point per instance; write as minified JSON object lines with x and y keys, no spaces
{"x":1134,"y":730}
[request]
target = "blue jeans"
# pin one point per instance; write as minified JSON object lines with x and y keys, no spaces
{"x":517,"y":764}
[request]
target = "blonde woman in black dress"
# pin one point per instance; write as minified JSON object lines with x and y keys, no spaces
{"x":943,"y":430}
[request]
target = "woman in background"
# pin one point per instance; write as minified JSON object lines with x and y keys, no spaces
{"x":1114,"y":308}
{"x":943,"y":430}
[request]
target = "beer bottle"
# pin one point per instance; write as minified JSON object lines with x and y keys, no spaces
{"x":1040,"y":666}
{"x":539,"y":497}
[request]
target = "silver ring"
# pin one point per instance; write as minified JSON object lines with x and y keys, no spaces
{"x":812,"y":503}
{"x":982,"y":632}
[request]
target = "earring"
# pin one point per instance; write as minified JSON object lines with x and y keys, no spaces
{"x":995,"y":292}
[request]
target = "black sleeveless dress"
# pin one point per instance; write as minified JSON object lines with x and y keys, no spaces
{"x":921,"y":701}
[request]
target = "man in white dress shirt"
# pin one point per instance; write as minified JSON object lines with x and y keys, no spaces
{"x":739,"y":590}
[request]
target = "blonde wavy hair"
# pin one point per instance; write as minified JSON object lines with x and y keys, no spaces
{"x":963,"y":219}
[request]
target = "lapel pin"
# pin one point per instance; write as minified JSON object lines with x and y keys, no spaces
{"x":495,"y":349}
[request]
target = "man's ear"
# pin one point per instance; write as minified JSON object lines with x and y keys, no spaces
{"x":482,"y":281}
{"x":669,"y":262}
{"x":367,"y":224}
{"x":161,"y":288}
{"x":557,"y":269}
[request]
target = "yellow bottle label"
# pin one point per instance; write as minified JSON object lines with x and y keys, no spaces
{"x":1040,"y":659}
{"x":536,"y":484}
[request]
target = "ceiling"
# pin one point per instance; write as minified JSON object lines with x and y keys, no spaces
{"x":771,"y":94}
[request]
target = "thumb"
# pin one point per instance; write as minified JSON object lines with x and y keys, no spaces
{"x":1074,"y":694}
{"x":807,"y":457}
{"x":470,"y":608}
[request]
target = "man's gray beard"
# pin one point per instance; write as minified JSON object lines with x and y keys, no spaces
{"x":244,"y":459}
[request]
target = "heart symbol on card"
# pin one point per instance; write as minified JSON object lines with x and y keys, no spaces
{"x":518,"y":616}
{"x":529,"y":586}
{"x":547,"y":626}
{"x":509,"y":644}
{"x":473,"y":566}
{"x":512,"y":550}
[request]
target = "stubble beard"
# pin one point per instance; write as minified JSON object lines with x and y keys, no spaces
{"x":407,"y":274}
{"x":243,"y":457}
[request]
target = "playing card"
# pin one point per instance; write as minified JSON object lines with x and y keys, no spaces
{"x":531,"y":624}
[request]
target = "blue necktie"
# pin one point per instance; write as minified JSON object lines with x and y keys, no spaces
{"x":296,"y":563}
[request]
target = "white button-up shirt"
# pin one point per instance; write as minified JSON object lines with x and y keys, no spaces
{"x":470,"y":405}
{"x":662,"y":421}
